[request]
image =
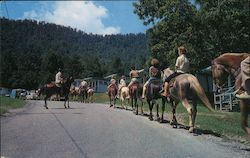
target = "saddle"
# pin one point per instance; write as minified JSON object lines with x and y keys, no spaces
{"x":155,"y":82}
{"x":51,"y":85}
{"x":171,"y":82}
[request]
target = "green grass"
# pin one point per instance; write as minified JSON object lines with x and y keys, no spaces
{"x":226,"y":124}
{"x":9,"y":103}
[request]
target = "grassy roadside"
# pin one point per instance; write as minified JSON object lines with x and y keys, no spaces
{"x":9,"y":103}
{"x":225,"y":124}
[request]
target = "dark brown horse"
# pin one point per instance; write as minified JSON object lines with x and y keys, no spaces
{"x":83,"y":93}
{"x":112,"y":92}
{"x":229,"y":63}
{"x":49,"y":89}
{"x":135,"y":93}
{"x":184,"y":87}
{"x":152,"y":95}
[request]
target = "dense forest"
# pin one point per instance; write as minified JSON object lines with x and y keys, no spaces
{"x":32,"y":51}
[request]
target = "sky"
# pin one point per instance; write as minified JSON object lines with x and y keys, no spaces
{"x":97,"y":17}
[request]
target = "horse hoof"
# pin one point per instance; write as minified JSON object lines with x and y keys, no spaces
{"x":136,"y":113}
{"x":191,"y":130}
{"x":110,"y":105}
{"x":150,"y":118}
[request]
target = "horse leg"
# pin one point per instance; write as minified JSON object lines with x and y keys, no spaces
{"x":45,"y":102}
{"x":157,"y":112}
{"x":244,"y":108}
{"x":194,"y":112}
{"x":150,"y":109}
{"x":163,"y":109}
{"x":68,"y":101}
{"x":110,"y":101}
{"x":136,"y":106}
{"x":141,"y":107}
{"x":114,"y":100}
{"x":186,"y":104}
{"x":174,"y":120}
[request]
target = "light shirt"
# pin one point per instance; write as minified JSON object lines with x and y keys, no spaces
{"x":182,"y":64}
{"x":58,"y":77}
{"x":112,"y":81}
{"x":122,"y":82}
{"x":84,"y":84}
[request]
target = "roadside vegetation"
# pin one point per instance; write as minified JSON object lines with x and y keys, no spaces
{"x":218,"y":123}
{"x":9,"y":103}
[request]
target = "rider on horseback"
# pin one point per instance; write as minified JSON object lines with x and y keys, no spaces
{"x":244,"y":91}
{"x":154,"y":73}
{"x":181,"y":66}
{"x":112,"y":82}
{"x":83,"y":84}
{"x":121,"y":84}
{"x":134,"y":75}
{"x":59,"y":78}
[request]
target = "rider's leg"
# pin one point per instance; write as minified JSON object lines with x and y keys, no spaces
{"x":166,"y":90}
{"x":144,"y":90}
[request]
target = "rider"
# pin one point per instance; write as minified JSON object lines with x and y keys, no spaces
{"x":83,"y":84}
{"x":121,"y":84}
{"x":244,"y":92}
{"x":112,"y":82}
{"x":154,"y":73}
{"x":59,"y":78}
{"x":181,"y":66}
{"x":134,"y":75}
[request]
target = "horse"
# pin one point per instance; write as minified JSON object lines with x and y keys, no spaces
{"x":184,"y":87}
{"x":50,"y":89}
{"x":112,"y":92}
{"x":90,"y":93}
{"x":124,"y":96}
{"x":83,"y":93}
{"x":135,"y":92}
{"x":152,"y":95}
{"x":229,"y":64}
{"x":74,"y":93}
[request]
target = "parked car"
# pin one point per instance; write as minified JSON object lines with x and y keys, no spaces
{"x":32,"y":95}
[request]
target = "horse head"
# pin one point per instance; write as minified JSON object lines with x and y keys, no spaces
{"x":225,"y":64}
{"x":219,"y":73}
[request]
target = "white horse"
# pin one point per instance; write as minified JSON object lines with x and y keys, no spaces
{"x":124,"y":95}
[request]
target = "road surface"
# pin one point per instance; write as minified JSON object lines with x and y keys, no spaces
{"x":97,"y":131}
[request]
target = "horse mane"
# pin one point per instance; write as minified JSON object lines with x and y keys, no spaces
{"x":231,"y":59}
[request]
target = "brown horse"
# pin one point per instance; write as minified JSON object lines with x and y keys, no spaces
{"x":135,"y":93}
{"x":74,"y":93}
{"x":187,"y":86}
{"x":229,"y":63}
{"x":50,"y":89}
{"x":83,"y":95}
{"x":112,"y":92}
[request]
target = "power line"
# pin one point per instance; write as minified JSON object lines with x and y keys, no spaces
{"x":6,"y":9}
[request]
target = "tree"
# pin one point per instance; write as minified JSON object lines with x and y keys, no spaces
{"x":205,"y":28}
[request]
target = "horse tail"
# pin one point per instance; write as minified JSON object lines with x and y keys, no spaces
{"x":200,"y":92}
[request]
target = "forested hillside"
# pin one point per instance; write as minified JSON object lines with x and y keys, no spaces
{"x":32,"y":51}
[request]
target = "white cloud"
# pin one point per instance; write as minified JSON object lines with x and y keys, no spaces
{"x":83,"y":15}
{"x":30,"y":14}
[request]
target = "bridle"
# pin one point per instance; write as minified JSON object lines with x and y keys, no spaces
{"x":231,"y":70}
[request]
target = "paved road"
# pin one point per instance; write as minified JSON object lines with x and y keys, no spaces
{"x":97,"y":131}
